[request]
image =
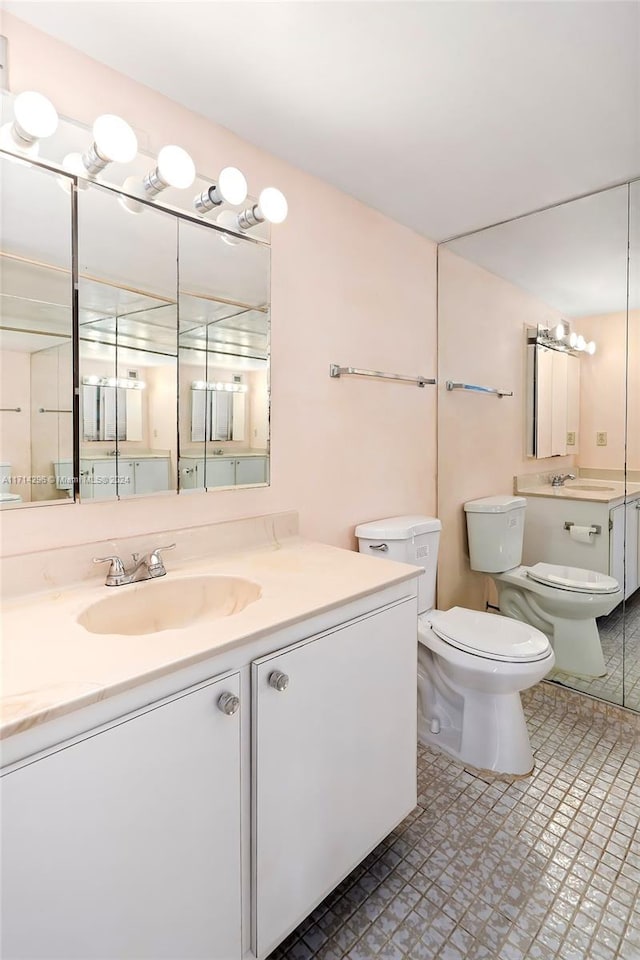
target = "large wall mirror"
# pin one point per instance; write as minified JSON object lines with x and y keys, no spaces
{"x":546,"y":308}
{"x":170,"y":358}
{"x":36,"y":333}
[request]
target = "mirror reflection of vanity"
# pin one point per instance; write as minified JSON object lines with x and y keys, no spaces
{"x":166,"y":343}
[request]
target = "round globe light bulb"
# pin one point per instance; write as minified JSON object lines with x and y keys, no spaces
{"x":232,"y":185}
{"x":72,"y":163}
{"x":573,"y":340}
{"x":591,"y":347}
{"x":273,"y":205}
{"x":581,"y":344}
{"x":175,"y":167}
{"x":559,"y":332}
{"x":35,"y":115}
{"x":114,"y":139}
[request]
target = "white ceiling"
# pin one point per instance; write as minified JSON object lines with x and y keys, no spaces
{"x":444,"y":115}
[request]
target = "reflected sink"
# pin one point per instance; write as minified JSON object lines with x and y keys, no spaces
{"x":587,"y":486}
{"x":165,"y":604}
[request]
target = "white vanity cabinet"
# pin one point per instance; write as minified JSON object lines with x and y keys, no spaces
{"x":126,"y":842}
{"x":180,"y":830}
{"x":98,"y":476}
{"x":333,"y":767}
{"x":624,"y":545}
{"x":219,"y":471}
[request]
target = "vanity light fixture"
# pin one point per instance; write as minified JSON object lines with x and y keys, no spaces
{"x":560,"y":332}
{"x":124,"y":383}
{"x":34,"y":118}
{"x":113,"y":142}
{"x":174,"y":168}
{"x":591,"y":347}
{"x":231,"y":187}
{"x":228,"y":387}
{"x":272,"y":206}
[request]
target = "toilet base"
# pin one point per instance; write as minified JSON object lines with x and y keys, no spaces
{"x":575,"y":641}
{"x":482,"y":729}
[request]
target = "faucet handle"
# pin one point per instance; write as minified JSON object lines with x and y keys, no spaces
{"x":154,"y":563}
{"x":116,"y":573}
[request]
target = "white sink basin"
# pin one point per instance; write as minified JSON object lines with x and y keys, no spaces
{"x":168,"y":604}
{"x":587,"y":486}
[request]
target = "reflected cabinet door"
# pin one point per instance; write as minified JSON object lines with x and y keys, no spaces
{"x":36,"y":330}
{"x":223,"y":355}
{"x":128,"y":324}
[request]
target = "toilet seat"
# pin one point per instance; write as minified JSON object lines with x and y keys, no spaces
{"x":10,"y":498}
{"x":573,"y":579}
{"x":489,"y":636}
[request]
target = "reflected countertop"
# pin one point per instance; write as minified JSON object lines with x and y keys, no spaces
{"x":52,"y":666}
{"x":610,"y":492}
{"x":233,"y":454}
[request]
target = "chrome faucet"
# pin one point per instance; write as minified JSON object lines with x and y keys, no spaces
{"x":147,"y":567}
{"x":558,"y":479}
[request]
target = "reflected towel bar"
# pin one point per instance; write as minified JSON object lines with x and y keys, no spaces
{"x":10,"y":409}
{"x":45,"y":410}
{"x":474,"y":388}
{"x":337,"y":371}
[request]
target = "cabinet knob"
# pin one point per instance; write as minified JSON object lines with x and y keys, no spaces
{"x":228,"y":703}
{"x":279,"y":681}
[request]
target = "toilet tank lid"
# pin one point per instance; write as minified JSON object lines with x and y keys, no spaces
{"x":499,"y":504}
{"x":397,"y":528}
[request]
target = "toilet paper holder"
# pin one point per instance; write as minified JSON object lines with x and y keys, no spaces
{"x":594,"y":528}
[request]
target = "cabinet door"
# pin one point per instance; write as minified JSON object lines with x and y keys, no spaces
{"x":191,"y":474}
{"x":103,"y":479}
{"x":251,"y":470}
{"x":151,"y":475}
{"x":632,"y":547}
{"x":127,"y":844}
{"x":573,"y":403}
{"x":334,"y":761}
{"x":616,"y":543}
{"x":559,"y":403}
{"x":220,"y":472}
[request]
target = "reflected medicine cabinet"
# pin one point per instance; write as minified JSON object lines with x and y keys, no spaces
{"x":552,"y":400}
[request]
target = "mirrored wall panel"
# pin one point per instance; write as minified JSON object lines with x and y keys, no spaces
{"x":36,"y":335}
{"x":224,"y":360}
{"x":537,"y":310}
{"x":631,"y":620}
{"x":128,"y":323}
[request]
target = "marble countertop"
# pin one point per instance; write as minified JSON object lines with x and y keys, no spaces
{"x":600,"y":491}
{"x":51,"y":665}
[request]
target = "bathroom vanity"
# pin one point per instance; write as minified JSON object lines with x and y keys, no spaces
{"x":597,"y":504}
{"x":195,"y":791}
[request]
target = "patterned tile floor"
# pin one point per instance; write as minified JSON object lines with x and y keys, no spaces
{"x":544,"y":868}
{"x":621,"y":649}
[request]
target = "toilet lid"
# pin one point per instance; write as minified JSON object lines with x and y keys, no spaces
{"x":572,"y":578}
{"x":489,"y":635}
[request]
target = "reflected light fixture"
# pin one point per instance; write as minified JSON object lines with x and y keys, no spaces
{"x":591,"y":347}
{"x":231,"y":187}
{"x":113,"y":142}
{"x":228,"y":387}
{"x":124,"y":383}
{"x":34,"y":118}
{"x":559,"y":332}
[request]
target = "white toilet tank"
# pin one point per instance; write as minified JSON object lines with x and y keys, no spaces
{"x":495,"y":526}
{"x":410,"y":540}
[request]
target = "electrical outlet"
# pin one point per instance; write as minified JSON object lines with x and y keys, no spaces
{"x":601,"y":439}
{"x":571,"y":439}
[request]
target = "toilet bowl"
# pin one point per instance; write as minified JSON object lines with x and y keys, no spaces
{"x":561,"y":601}
{"x":6,"y":497}
{"x":471,"y":665}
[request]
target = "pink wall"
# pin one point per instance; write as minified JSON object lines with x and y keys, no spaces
{"x":348,"y":286}
{"x":603,"y":389}
{"x":481,"y":439}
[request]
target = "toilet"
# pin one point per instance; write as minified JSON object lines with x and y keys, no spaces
{"x":6,"y":496}
{"x":471,"y":665}
{"x":561,"y":601}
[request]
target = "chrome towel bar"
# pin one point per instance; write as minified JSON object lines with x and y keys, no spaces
{"x":474,"y":388}
{"x":10,"y":409}
{"x":337,"y":371}
{"x":46,"y":410}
